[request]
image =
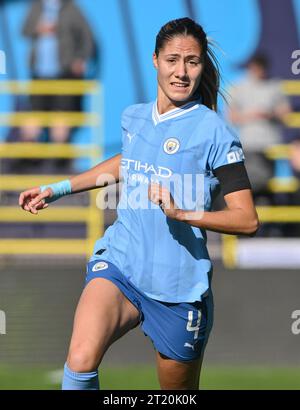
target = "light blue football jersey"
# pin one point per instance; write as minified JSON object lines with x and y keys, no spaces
{"x":166,"y":259}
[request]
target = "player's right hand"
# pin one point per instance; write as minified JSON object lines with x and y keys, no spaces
{"x":34,"y":200}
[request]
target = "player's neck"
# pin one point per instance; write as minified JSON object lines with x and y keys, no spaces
{"x":164,"y":104}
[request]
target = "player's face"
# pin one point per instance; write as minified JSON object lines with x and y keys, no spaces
{"x":179,"y":67}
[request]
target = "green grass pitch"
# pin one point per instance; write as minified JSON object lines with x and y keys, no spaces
{"x":144,"y":377}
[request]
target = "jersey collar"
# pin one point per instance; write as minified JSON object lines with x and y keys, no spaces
{"x":176,"y":112}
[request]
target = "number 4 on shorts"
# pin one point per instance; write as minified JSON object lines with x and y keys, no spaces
{"x":190,"y":326}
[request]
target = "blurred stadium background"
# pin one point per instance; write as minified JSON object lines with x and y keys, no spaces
{"x":42,"y":259}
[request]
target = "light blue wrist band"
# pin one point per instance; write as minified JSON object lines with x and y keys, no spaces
{"x":59,"y":189}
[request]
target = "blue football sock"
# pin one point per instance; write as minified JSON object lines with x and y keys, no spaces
{"x":79,"y":381}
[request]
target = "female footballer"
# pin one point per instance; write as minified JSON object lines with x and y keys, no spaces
{"x":151,"y":268}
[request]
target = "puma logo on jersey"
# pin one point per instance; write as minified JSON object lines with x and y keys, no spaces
{"x":130,"y":136}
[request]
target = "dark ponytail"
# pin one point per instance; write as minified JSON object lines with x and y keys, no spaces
{"x":210,"y":82}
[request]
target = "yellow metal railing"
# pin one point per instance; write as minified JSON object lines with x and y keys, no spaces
{"x":284,"y":214}
{"x":50,"y":87}
{"x":44,"y":150}
{"x":279,"y":151}
{"x":288,"y":184}
{"x":291,"y":87}
{"x":90,"y":215}
{"x":49,"y":119}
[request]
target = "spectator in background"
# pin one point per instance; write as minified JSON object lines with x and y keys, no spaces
{"x":62,"y":44}
{"x":257,"y":108}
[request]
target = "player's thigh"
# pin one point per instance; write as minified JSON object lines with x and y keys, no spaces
{"x":102,"y":316}
{"x":175,"y":375}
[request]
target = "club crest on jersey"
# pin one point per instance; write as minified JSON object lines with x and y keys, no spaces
{"x":171,"y":145}
{"x":99,"y":266}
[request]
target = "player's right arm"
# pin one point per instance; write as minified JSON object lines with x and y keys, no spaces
{"x":103,"y":174}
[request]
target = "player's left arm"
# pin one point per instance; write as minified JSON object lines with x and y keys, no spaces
{"x":238,"y":217}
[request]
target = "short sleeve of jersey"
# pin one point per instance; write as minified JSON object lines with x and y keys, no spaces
{"x":226,"y":147}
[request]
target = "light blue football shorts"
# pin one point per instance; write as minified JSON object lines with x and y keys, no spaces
{"x":178,"y":331}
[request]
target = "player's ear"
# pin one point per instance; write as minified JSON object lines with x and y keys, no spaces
{"x":154,"y":59}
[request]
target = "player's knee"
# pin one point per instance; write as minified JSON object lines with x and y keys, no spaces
{"x":83,"y":359}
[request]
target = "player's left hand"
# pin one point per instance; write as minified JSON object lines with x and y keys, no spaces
{"x":161,"y":196}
